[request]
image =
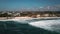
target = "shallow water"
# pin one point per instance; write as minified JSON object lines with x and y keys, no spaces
{"x":34,"y":26}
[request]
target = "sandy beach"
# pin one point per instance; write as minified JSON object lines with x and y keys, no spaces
{"x":4,"y":18}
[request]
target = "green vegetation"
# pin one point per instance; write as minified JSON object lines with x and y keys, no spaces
{"x":30,"y":13}
{"x":5,"y":15}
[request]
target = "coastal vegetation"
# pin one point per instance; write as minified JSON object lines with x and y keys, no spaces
{"x":34,"y":14}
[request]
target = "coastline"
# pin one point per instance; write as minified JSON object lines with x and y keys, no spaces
{"x":24,"y":18}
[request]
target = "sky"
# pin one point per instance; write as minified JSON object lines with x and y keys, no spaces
{"x":20,"y":4}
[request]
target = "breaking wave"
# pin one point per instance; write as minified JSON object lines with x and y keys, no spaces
{"x":47,"y":24}
{"x":52,"y":25}
{"x":33,"y":25}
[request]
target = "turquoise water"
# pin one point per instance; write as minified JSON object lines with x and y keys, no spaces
{"x":14,"y":27}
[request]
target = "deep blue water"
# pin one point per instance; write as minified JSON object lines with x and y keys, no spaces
{"x":13,"y":27}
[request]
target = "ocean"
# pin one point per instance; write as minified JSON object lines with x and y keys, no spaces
{"x":33,"y":26}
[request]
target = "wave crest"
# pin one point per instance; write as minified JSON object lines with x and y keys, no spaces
{"x":52,"y":25}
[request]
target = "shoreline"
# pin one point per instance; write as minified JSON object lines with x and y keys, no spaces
{"x":2,"y":18}
{"x":24,"y":18}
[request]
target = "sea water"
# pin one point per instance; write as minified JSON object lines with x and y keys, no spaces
{"x":32,"y":26}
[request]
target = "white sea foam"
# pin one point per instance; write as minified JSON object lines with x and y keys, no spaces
{"x":52,"y":25}
{"x":19,"y":19}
